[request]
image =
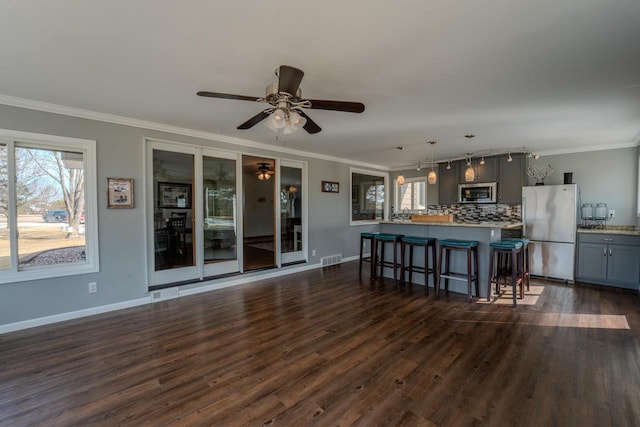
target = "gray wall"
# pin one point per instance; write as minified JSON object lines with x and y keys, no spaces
{"x":609,"y":176}
{"x":122,"y":276}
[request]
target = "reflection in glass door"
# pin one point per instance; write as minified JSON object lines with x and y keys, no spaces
{"x":220,"y":217}
{"x":173,"y":243}
{"x":292,"y":236}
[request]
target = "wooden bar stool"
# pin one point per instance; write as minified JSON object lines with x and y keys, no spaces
{"x":526,"y":261}
{"x":512,"y":249}
{"x":470,"y":247}
{"x":426,"y":243}
{"x":379,"y":242}
{"x":363,"y":238}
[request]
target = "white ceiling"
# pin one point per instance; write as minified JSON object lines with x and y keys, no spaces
{"x":548,"y":75}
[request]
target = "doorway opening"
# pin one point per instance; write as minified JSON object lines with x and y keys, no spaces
{"x":259,"y":208}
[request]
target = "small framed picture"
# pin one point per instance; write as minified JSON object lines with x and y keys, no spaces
{"x":174,"y":195}
{"x":119,"y":193}
{"x":330,"y":187}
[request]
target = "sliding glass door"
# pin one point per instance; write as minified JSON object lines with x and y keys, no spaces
{"x":219,"y":213}
{"x":213,"y":212}
{"x":172,"y":214}
{"x":292,"y":212}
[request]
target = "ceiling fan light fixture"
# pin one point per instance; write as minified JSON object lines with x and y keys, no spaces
{"x":296,"y":120}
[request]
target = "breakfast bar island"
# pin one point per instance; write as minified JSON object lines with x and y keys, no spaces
{"x":484,"y":233}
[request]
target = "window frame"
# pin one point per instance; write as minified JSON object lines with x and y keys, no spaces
{"x":11,"y":139}
{"x":385,"y":210}
{"x":420,"y":179}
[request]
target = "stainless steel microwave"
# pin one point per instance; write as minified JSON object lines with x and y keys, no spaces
{"x":484,"y":192}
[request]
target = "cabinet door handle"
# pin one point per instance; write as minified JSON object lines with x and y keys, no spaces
{"x":604,"y":251}
{"x":607,"y":240}
{"x":610,"y":252}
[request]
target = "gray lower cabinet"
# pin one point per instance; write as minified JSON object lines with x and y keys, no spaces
{"x":609,"y":259}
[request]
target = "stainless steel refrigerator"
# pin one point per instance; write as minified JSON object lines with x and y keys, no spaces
{"x":549,"y":217}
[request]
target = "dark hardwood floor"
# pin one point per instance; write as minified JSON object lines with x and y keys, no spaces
{"x":324,"y":348}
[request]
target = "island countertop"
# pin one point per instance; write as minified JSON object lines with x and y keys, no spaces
{"x":501,"y":224}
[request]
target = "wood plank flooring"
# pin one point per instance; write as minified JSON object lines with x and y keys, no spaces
{"x":326,"y":348}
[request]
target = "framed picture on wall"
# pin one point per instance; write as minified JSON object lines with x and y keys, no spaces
{"x":119,"y":193}
{"x":174,"y":195}
{"x":330,"y":187}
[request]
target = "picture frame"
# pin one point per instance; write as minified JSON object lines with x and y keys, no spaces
{"x":330,"y":187}
{"x":174,"y":195}
{"x":120,"y":193}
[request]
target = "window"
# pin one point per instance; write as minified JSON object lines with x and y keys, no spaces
{"x":47,"y":214}
{"x":368,"y":196}
{"x":412,"y":194}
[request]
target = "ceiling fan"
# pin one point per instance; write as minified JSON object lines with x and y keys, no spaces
{"x":285,"y":104}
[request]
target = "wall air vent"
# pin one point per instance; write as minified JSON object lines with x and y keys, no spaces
{"x":326,"y":261}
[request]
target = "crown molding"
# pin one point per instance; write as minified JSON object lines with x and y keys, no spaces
{"x":144,"y":124}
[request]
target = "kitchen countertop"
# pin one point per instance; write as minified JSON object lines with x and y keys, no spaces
{"x":612,"y":229}
{"x":502,"y":224}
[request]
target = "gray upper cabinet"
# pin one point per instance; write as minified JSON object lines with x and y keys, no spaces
{"x":511,"y":178}
{"x":609,"y":259}
{"x":484,"y":173}
{"x":448,"y":183}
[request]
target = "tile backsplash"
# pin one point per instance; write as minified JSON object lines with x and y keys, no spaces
{"x":474,"y":214}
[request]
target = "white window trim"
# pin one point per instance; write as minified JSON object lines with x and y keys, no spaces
{"x":408,"y":181}
{"x":385,"y":213}
{"x":88,"y":149}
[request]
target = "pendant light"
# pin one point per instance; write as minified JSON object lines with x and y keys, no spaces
{"x":400,"y":179}
{"x":469,"y":174}
{"x":432,"y":177}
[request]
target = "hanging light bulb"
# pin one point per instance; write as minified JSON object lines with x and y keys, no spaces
{"x":432,"y":178}
{"x":449,"y":165}
{"x":418,"y":167}
{"x":482,"y":160}
{"x":509,"y":158}
{"x":469,"y":174}
{"x":400,"y":179}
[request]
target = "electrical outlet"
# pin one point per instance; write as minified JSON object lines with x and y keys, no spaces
{"x":93,"y":287}
{"x":612,"y":213}
{"x":313,"y":252}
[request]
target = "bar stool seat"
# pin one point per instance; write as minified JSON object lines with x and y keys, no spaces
{"x":381,"y":240}
{"x":514,"y":249}
{"x":426,"y":243}
{"x":363,"y":238}
{"x":470,"y":247}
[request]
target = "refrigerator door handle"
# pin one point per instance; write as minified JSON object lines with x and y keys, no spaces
{"x":523,"y":217}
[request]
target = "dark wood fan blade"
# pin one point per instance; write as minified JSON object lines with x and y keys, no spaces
{"x":255,"y":120}
{"x":310,"y":126}
{"x":228,"y":96}
{"x":325,"y":104}
{"x":289,"y":79}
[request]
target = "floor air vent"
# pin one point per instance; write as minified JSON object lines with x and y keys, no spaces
{"x":326,"y":261}
{"x":163,"y":294}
